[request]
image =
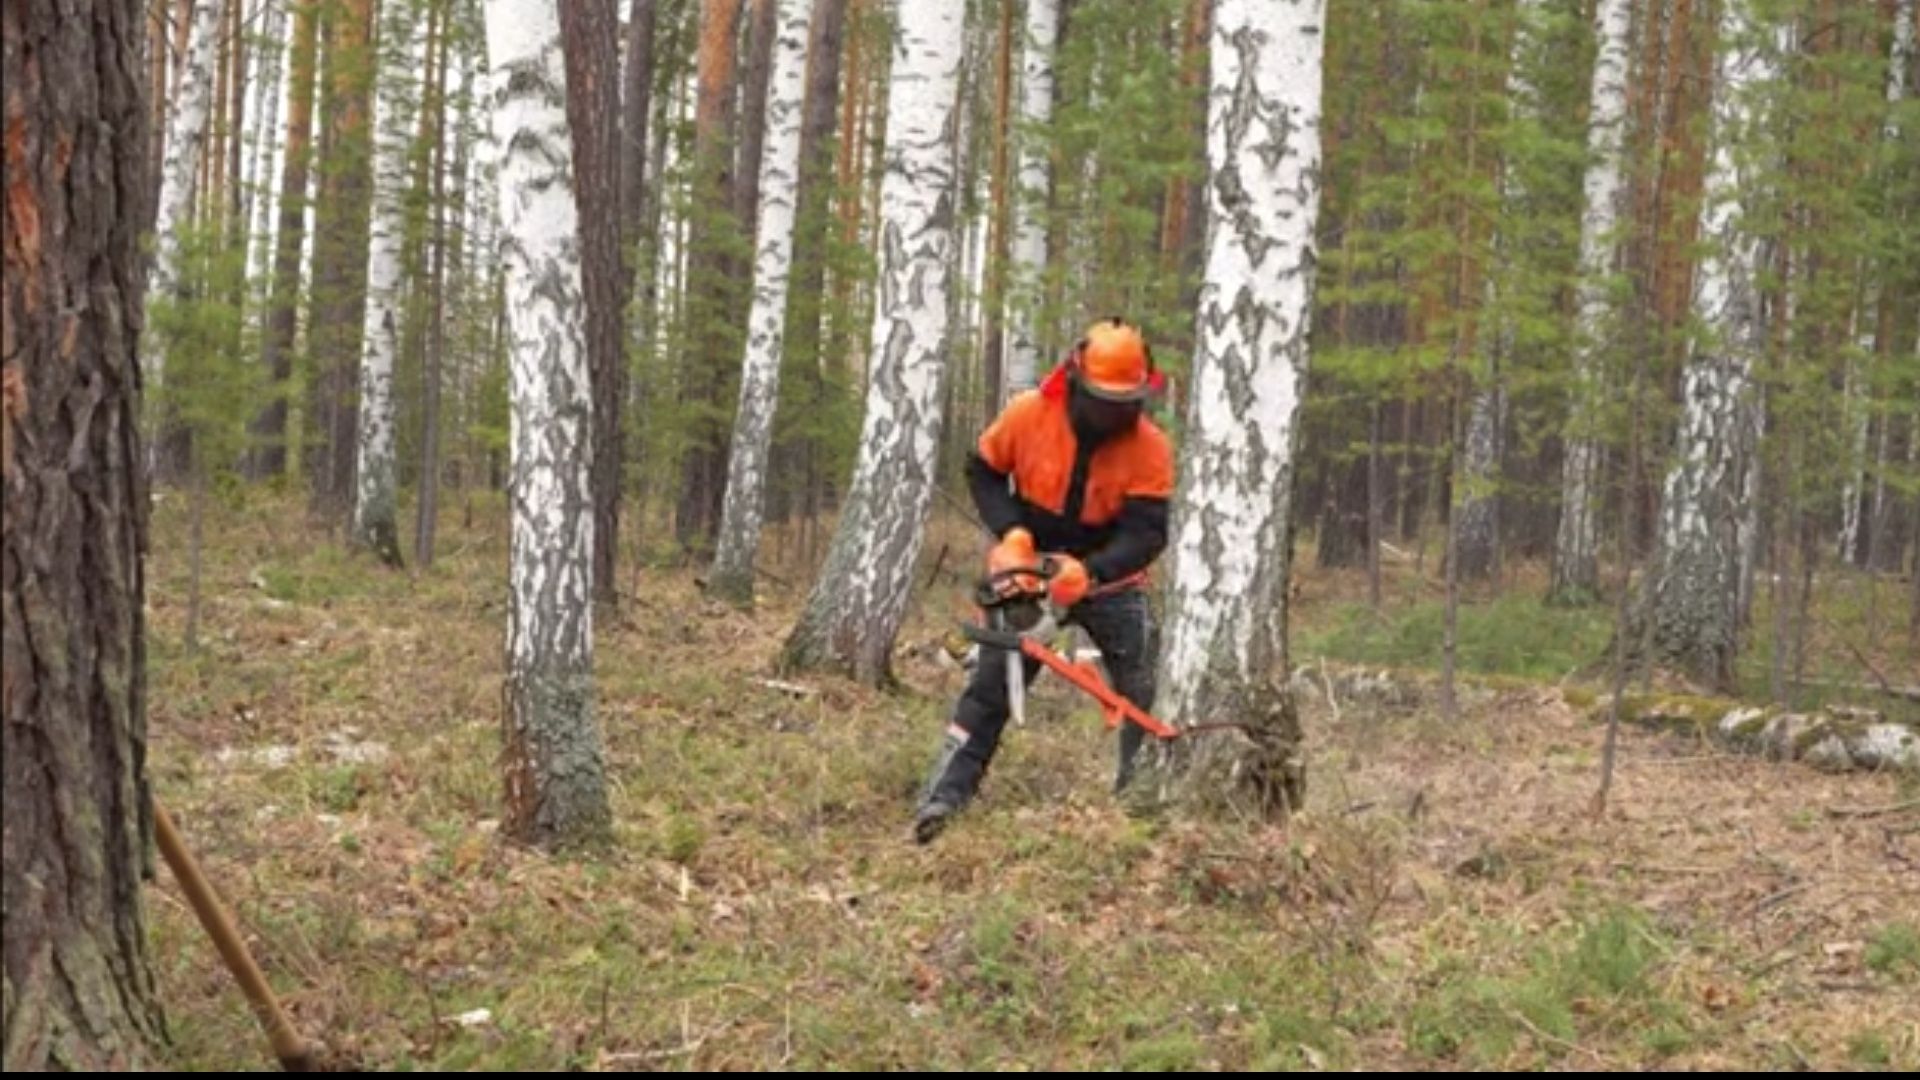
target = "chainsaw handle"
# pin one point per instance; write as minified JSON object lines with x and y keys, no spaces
{"x":990,"y":593}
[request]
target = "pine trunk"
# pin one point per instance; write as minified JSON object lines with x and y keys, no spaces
{"x":433,"y":375}
{"x":79,"y":994}
{"x":341,"y":231}
{"x":709,"y":274}
{"x":591,"y":30}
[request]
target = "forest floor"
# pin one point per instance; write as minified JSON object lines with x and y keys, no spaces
{"x":1445,"y":901}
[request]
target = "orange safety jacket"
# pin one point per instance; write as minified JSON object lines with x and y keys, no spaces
{"x":1106,"y":504}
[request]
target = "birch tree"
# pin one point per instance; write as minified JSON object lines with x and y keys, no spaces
{"x":374,"y":510}
{"x":555,"y":773}
{"x":186,"y":138}
{"x":265,"y":158}
{"x":1029,"y":231}
{"x":1694,"y":584}
{"x":289,"y":241}
{"x":1226,"y":651}
{"x":1477,"y":534}
{"x":1864,"y":516}
{"x":740,"y":520}
{"x":1576,"y":566}
{"x":856,"y":608}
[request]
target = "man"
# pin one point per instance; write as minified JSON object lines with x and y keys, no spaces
{"x":1076,"y":470}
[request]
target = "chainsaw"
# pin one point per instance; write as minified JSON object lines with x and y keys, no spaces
{"x":1020,"y":619}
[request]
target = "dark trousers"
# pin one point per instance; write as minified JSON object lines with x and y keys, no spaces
{"x":1121,"y":625}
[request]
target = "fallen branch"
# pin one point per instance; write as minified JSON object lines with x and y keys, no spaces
{"x":788,"y":688}
{"x":1872,"y":811}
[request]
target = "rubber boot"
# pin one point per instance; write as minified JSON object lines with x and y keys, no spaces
{"x":950,"y":786}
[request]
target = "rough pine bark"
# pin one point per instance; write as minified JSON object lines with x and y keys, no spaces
{"x":591,"y":32}
{"x":1225,"y":658}
{"x":555,"y":769}
{"x":341,"y":230}
{"x":79,"y":994}
{"x":709,"y":285}
{"x":855,"y":610}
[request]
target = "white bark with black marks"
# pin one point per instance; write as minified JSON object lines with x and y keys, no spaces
{"x":1695,"y":588}
{"x":186,"y":139}
{"x":270,"y":49}
{"x":1029,"y":249}
{"x":856,"y":608}
{"x":1477,"y":533}
{"x":741,"y":516}
{"x":1576,"y":552}
{"x":1863,"y":515}
{"x":1226,"y":639}
{"x":555,"y":768}
{"x":375,"y":513}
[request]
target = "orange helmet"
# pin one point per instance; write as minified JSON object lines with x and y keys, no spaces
{"x":1113,"y":362}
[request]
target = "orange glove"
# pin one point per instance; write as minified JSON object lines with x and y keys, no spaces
{"x":1014,"y":552}
{"x":1070,"y":581}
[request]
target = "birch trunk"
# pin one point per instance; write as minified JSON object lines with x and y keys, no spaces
{"x":1030,"y":203}
{"x":555,"y":771}
{"x":374,"y":511}
{"x":186,"y":138}
{"x":1226,"y":651}
{"x":1695,"y":580}
{"x":741,"y":516}
{"x":1477,"y":535}
{"x":1576,"y":552}
{"x":264,"y":160}
{"x":856,"y":608}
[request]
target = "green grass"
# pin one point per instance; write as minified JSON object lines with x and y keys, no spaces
{"x":1513,"y":635}
{"x":1895,"y":952}
{"x":760,"y":907}
{"x":1601,"y":981}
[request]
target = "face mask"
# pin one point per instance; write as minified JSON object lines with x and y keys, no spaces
{"x":1097,"y":419}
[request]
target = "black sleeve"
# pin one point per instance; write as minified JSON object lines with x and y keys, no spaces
{"x":1140,"y":535}
{"x":993,"y":496}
